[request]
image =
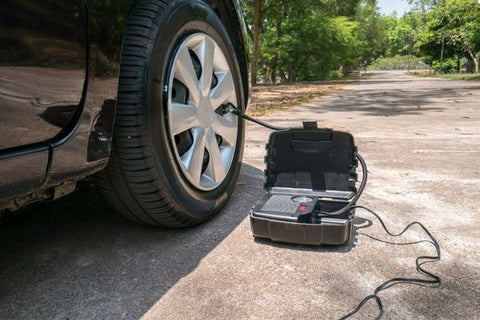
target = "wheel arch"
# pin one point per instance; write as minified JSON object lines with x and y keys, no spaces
{"x":229,"y":13}
{"x":140,"y":181}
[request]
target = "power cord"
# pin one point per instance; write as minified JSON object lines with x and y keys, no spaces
{"x":420,"y":261}
{"x":231,"y":108}
{"x":353,"y":201}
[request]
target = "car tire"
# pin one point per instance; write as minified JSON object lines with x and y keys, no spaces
{"x":176,"y":153}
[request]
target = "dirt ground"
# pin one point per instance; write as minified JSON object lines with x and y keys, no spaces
{"x":74,"y":258}
{"x":266,"y":99}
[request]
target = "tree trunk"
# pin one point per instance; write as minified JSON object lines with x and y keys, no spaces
{"x":291,"y":76}
{"x":458,"y":62}
{"x":469,"y":66}
{"x":278,"y":33}
{"x":474,"y":59}
{"x":257,"y":19}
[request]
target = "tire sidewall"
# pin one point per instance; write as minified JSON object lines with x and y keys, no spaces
{"x":186,"y":18}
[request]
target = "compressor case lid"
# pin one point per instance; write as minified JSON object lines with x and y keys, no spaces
{"x":314,"y":160}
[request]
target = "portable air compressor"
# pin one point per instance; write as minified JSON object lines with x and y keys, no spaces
{"x":311,"y":195}
{"x":310,"y":184}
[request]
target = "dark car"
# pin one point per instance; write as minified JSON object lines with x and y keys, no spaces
{"x":132,"y":92}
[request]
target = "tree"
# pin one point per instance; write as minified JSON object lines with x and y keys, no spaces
{"x":425,"y":5}
{"x":372,"y":32}
{"x":464,"y":27}
{"x":453,"y":29}
{"x":314,"y":47}
{"x":257,"y":19}
{"x":403,"y":33}
{"x":296,"y":40}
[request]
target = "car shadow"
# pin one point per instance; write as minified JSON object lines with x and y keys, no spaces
{"x":75,"y":257}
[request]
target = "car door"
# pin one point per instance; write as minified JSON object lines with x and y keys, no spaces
{"x":43,"y":63}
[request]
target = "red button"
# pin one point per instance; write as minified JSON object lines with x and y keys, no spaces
{"x":303,"y":207}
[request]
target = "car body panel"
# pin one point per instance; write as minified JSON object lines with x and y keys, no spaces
{"x":87,"y":150}
{"x":22,"y":173}
{"x":43,"y":65}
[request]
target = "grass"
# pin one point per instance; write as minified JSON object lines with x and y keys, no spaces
{"x":267,"y":99}
{"x":452,"y":76}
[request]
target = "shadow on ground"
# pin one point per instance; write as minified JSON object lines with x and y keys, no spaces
{"x":76,"y":258}
{"x":375,"y":102}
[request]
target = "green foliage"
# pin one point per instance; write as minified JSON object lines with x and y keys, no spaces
{"x":310,"y":49}
{"x":372,"y":33}
{"x":403,"y":33}
{"x":398,"y":63}
{"x":447,"y":66}
{"x":335,"y":75}
{"x":459,"y":76}
{"x":453,"y":26}
{"x":306,"y":40}
{"x":424,"y":5}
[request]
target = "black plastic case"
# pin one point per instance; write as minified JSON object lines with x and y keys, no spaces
{"x":317,"y":163}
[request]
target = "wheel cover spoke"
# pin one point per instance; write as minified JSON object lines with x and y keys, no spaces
{"x":227,"y":129}
{"x":216,"y":167}
{"x":210,"y":138}
{"x":182,"y":117}
{"x":223,"y":91}
{"x":206,"y":52}
{"x":185,"y":73}
{"x":193,"y":158}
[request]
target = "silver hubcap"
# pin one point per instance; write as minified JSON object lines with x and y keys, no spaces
{"x":204,"y":138}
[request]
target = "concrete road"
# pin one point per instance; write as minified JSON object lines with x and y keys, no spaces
{"x":74,"y":258}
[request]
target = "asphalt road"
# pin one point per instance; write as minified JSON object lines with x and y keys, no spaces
{"x":75,"y":259}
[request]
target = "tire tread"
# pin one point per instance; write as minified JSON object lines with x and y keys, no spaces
{"x":129,"y":181}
